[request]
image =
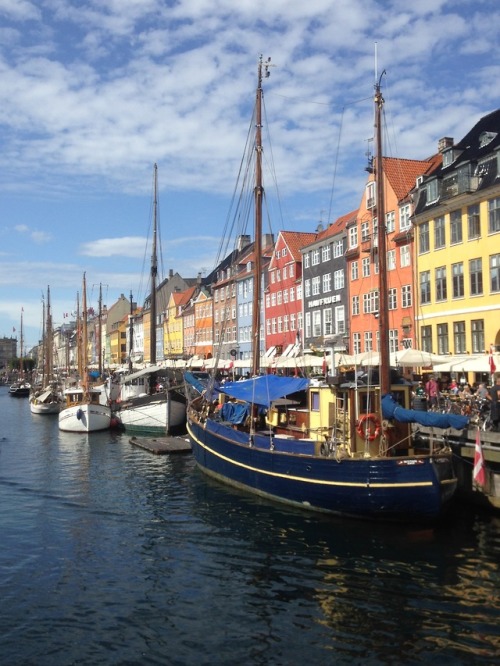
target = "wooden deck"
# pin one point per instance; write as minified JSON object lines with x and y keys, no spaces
{"x":162,"y":445}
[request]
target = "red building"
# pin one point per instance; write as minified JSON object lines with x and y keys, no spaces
{"x":283,"y":295}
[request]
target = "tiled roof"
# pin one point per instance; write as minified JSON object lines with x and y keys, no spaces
{"x":402,"y":173}
{"x":295,"y":240}
{"x":338,"y":226}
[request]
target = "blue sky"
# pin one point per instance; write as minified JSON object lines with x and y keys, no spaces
{"x":94,"y":92}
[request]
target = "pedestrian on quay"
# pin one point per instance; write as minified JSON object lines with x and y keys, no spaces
{"x":494,"y":397}
{"x":432,"y":391}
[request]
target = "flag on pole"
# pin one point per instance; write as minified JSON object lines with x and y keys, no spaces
{"x":479,"y":471}
{"x":493,"y":367}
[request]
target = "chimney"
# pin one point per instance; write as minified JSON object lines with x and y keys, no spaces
{"x":243,"y":241}
{"x":267,"y":240}
{"x":444,"y":143}
{"x":170,"y":273}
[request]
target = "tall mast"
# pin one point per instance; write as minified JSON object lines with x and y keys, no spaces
{"x":383,"y":312}
{"x":78,"y":336}
{"x":131,"y":334}
{"x":258,"y":197}
{"x":49,"y":341}
{"x":84,"y":333}
{"x":154,"y":272}
{"x":99,"y":332}
{"x":21,"y":366}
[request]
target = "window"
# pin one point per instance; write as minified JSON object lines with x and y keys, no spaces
{"x":278,"y":275}
{"x":393,"y":340}
{"x":495,"y":272}
{"x":285,"y":323}
{"x":441,"y":292}
{"x":315,"y":257}
{"x":273,"y":277}
{"x":406,"y":299}
{"x":315,"y":286}
{"x":317,"y":323}
{"x":494,"y":215}
{"x":280,"y":325}
{"x":355,"y":305}
{"x":340,"y":319}
{"x":425,"y":287}
{"x":338,"y":279}
{"x":273,"y":299}
{"x":371,"y":302}
{"x":473,"y":222}
{"x":442,"y":335}
{"x":432,"y":190}
{"x":365,"y":266}
{"x":356,"y":343}
{"x":456,"y":226}
{"x":393,"y":299}
{"x":457,"y":271}
{"x":292,"y":294}
{"x":298,"y":292}
{"x":284,"y":272}
{"x":459,"y":337}
{"x":404,"y":217}
{"x":306,"y":260}
{"x":308,"y":325}
{"x":338,"y":248}
{"x":404,"y":256}
{"x":371,"y":194}
{"x":365,"y":231}
{"x":327,"y":282}
{"x":353,"y":237}
{"x":426,"y":338}
{"x":279,"y":297}
{"x":291,"y":270}
{"x":423,"y":238}
{"x":285,"y":295}
{"x":391,"y":260}
{"x":368,"y":341}
{"x":390,"y":222}
{"x":354,"y":270}
{"x":327,"y":321}
{"x":326,"y":253}
{"x":477,"y":336}
{"x":476,"y":276}
{"x":439,"y":233}
{"x":307,"y":288}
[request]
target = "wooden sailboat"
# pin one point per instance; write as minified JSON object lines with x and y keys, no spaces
{"x":48,"y":398}
{"x":82,"y":411}
{"x":144,"y":408}
{"x":330,"y":447}
{"x":21,"y":388}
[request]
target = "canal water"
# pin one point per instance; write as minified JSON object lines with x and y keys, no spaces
{"x":112,"y":555}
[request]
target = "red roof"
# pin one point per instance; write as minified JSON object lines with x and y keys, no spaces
{"x":402,"y":173}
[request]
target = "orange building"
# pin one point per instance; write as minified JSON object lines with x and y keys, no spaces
{"x":400,"y":176}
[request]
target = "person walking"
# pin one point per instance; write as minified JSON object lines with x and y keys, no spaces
{"x":432,"y":391}
{"x":494,"y":397}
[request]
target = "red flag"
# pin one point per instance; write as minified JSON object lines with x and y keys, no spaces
{"x":493,"y":367}
{"x":479,"y":471}
{"x":325,"y":365}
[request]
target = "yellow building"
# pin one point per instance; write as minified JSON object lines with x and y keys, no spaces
{"x":173,"y":335}
{"x":457,"y":245}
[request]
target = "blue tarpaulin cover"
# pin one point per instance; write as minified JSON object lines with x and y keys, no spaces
{"x":391,"y":409}
{"x":263,"y":390}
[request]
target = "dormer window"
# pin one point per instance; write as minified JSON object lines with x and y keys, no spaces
{"x":485,"y":138}
{"x":448,"y":157}
{"x":432,"y":190}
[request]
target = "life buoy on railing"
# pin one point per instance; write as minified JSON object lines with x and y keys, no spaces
{"x":364,"y":431}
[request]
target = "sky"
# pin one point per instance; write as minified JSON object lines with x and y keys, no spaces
{"x":93,"y":93}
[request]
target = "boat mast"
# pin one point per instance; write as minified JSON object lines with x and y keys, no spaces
{"x":21,"y":366}
{"x":131,"y":333}
{"x":84,"y":335}
{"x":48,"y":341}
{"x":383,"y":312}
{"x":99,"y":332}
{"x":154,"y":273}
{"x":258,"y":197}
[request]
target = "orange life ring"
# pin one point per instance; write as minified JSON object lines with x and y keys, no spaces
{"x":364,"y":432}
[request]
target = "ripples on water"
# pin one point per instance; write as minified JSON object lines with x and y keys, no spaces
{"x":111,"y":555}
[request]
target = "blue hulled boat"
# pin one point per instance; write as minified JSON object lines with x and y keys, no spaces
{"x":333,"y":446}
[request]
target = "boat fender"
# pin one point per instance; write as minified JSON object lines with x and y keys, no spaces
{"x":363,"y":431}
{"x":79,"y":414}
